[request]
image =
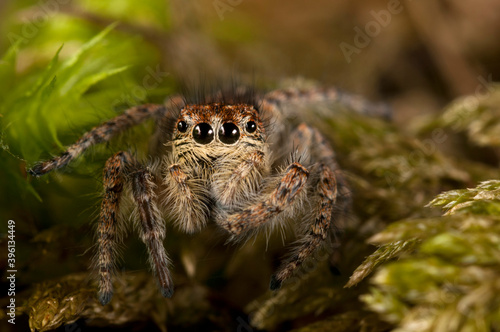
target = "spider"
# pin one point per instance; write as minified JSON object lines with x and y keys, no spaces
{"x":234,"y":158}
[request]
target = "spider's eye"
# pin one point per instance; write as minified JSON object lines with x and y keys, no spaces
{"x":182,"y":126}
{"x":229,"y":133}
{"x":203,"y":133}
{"x":251,"y":126}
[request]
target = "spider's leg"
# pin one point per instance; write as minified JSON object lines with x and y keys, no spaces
{"x":317,"y":233}
{"x":280,"y":97}
{"x":99,"y":134}
{"x":119,"y":169}
{"x":291,"y":184}
{"x":333,"y":198}
{"x":152,"y":225}
{"x":113,"y":178}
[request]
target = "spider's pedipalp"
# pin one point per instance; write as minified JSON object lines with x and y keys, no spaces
{"x":186,"y":199}
{"x":240,"y":181}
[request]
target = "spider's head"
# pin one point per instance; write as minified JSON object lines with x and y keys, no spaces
{"x":215,"y":129}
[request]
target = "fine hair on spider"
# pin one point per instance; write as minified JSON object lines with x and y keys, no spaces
{"x":234,"y":157}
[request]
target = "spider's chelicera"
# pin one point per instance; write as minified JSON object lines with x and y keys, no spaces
{"x":221,"y":161}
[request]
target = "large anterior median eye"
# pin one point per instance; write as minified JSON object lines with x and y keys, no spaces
{"x":203,"y":133}
{"x":229,"y":133}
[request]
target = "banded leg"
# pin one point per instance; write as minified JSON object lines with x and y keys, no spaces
{"x":332,"y":200}
{"x":322,"y":152}
{"x":113,"y":178}
{"x":277,"y":99}
{"x":291,"y":184}
{"x":317,"y":232}
{"x":152,"y":226}
{"x":99,"y":134}
{"x":120,"y":169}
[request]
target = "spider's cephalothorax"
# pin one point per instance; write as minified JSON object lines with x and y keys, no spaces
{"x":221,"y":161}
{"x":221,"y":151}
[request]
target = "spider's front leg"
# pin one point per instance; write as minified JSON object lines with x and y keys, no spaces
{"x":317,"y":232}
{"x":100,"y":134}
{"x":330,"y":197}
{"x":119,"y":169}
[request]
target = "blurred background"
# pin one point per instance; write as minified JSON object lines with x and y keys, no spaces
{"x":67,"y":65}
{"x":427,"y":52}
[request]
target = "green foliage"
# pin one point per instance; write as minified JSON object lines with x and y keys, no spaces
{"x":433,"y":273}
{"x":155,"y":14}
{"x":57,"y":82}
{"x":483,"y":199}
{"x":448,"y":278}
{"x":52,"y":100}
{"x":476,"y":115}
{"x":446,"y":267}
{"x":44,"y":107}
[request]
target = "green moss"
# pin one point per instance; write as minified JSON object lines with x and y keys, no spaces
{"x":448,"y":280}
{"x":476,"y":115}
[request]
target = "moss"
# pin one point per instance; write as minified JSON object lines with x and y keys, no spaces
{"x":477,"y":116}
{"x":448,"y":281}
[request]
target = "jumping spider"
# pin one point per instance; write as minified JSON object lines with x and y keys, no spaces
{"x":235,"y":159}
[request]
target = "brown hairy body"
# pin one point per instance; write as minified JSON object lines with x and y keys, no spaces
{"x":234,"y":158}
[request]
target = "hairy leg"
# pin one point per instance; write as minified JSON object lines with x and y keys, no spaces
{"x":120,"y":169}
{"x":275,"y":100}
{"x":113,"y":178}
{"x":152,"y":226}
{"x":99,"y":134}
{"x":330,"y":195}
{"x":317,"y":232}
